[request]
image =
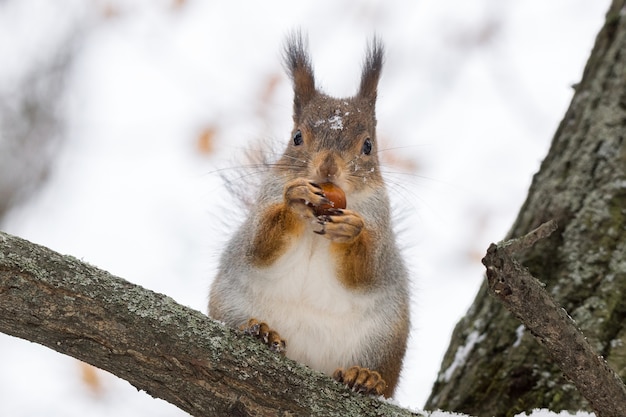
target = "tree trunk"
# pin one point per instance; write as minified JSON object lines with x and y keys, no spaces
{"x":493,"y":366}
{"x":159,"y":346}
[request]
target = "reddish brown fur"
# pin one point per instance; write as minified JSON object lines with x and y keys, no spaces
{"x":392,"y":364}
{"x":354,"y":261}
{"x":278,"y":225}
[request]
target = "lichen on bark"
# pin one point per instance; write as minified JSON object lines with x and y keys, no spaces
{"x":582,"y":185}
{"x":168,"y":350}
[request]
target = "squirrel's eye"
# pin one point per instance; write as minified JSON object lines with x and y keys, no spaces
{"x":367,"y":146}
{"x":297,"y":138}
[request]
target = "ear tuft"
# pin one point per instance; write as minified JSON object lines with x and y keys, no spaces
{"x":372,"y":67}
{"x":298,"y":65}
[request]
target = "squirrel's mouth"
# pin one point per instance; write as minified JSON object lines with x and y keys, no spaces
{"x":344,"y":186}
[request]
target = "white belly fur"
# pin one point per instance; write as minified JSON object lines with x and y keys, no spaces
{"x":325,"y":325}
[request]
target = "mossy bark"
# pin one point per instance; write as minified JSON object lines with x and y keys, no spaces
{"x":493,"y":367}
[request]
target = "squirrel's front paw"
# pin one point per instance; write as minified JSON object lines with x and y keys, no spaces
{"x":361,"y":380}
{"x":302,"y":196}
{"x":341,"y":226}
{"x":260,"y":330}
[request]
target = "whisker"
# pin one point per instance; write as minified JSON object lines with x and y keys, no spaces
{"x":395,"y":148}
{"x":407,"y":174}
{"x":408,"y":195}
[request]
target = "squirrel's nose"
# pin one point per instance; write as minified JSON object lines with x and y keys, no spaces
{"x":328,"y":168}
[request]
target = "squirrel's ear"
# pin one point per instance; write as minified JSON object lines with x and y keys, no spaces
{"x":298,"y":66}
{"x":372,"y":67}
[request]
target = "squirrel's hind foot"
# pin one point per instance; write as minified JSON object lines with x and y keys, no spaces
{"x":361,"y":380}
{"x":261,"y":331}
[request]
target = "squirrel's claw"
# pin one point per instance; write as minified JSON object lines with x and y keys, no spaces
{"x":341,"y":226}
{"x":261,"y":331}
{"x":315,"y":185}
{"x":361,"y":380}
{"x":302,"y":196}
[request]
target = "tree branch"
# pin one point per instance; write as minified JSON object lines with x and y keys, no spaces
{"x":525,"y":297}
{"x":169,"y":351}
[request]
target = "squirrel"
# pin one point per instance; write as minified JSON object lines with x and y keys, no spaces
{"x":328,"y":288}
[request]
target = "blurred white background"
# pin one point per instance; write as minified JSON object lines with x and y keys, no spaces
{"x":117,"y":117}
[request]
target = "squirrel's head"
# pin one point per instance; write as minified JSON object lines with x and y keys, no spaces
{"x":334,"y":139}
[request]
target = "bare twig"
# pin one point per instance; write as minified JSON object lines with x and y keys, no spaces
{"x":514,"y":246}
{"x":525,"y":297}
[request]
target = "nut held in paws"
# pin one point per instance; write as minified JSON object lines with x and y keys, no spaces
{"x":335,"y":195}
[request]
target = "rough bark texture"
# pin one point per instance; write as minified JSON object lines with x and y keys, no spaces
{"x":159,"y":346}
{"x":493,"y":367}
{"x":524,"y":296}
